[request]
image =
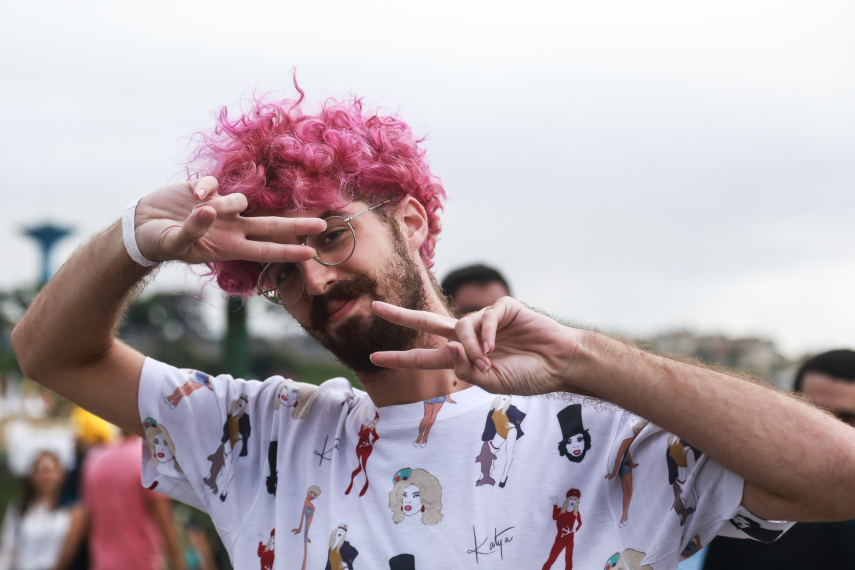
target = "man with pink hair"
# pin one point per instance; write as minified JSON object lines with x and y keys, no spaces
{"x":334,"y":215}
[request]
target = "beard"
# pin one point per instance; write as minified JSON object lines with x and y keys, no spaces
{"x":359,"y":336}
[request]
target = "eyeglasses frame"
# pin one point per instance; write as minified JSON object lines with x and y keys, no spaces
{"x":316,"y":257}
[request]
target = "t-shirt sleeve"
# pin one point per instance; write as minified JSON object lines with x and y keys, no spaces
{"x":680,"y":498}
{"x":197,"y":427}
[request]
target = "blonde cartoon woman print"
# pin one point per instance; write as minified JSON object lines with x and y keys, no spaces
{"x":160,"y":444}
{"x":295,"y":395}
{"x":416,"y":492}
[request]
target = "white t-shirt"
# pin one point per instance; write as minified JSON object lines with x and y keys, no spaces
{"x":34,"y":541}
{"x":296,"y":476}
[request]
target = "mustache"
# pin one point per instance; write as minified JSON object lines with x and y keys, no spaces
{"x":339,"y":291}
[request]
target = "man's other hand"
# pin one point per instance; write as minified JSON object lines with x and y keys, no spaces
{"x":505,"y":349}
{"x":192,"y":222}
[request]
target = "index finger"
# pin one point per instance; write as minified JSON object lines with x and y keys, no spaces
{"x":423,"y":321}
{"x":282,"y":230}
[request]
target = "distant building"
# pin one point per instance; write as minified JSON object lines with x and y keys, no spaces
{"x":752,"y":355}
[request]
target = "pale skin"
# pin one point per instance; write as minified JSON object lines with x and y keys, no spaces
{"x":776,"y":443}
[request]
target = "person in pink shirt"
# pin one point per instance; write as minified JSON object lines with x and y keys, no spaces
{"x":129,"y":527}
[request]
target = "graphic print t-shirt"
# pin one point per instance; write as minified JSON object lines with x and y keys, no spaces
{"x":318,"y":477}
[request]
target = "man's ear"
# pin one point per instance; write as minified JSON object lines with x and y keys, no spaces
{"x":412,"y":217}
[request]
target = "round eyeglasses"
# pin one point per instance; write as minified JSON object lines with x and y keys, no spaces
{"x":283,"y":282}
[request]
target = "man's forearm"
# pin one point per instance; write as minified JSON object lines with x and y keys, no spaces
{"x":72,"y":320}
{"x":791,"y":450}
{"x":65,"y":340}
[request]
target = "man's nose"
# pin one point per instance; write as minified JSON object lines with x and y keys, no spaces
{"x":318,"y":277}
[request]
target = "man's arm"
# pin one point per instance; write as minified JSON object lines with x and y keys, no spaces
{"x":798,"y":462}
{"x":66,"y":340}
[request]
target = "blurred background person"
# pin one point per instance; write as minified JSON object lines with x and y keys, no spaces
{"x":828,"y":380}
{"x":35,"y":528}
{"x":128,"y":526}
{"x":474,"y":287}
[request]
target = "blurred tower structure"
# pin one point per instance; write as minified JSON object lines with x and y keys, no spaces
{"x":46,"y":235}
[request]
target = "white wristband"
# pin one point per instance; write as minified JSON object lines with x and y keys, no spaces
{"x":129,"y":235}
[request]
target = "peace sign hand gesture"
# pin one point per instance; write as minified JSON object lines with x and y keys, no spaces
{"x":505,"y":349}
{"x":192,"y":222}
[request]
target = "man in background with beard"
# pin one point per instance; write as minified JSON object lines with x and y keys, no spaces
{"x":335,"y":216}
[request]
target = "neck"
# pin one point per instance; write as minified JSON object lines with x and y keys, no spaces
{"x":390,"y":387}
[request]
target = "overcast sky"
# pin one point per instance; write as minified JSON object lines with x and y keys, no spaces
{"x":639,"y":167}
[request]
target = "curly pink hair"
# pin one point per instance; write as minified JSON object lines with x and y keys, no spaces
{"x":284,"y":160}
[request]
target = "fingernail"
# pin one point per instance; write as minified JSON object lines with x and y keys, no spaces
{"x":453,"y":350}
{"x":482,"y":366}
{"x":486,"y":348}
{"x":199,"y":194}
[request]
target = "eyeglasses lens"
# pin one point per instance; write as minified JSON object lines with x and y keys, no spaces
{"x":283,"y":283}
{"x":335,"y":245}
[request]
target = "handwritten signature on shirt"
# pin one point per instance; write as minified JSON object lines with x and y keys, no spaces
{"x":327,"y":453}
{"x":488,"y":546}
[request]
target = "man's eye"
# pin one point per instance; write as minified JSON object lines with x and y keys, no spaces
{"x":331,"y":237}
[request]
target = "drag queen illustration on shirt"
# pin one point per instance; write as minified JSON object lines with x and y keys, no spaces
{"x":623,"y":468}
{"x":197,"y":380}
{"x":267,"y":552}
{"x":568,"y":520}
{"x":307,"y":514}
{"x":296,"y":396}
{"x":677,"y":458}
{"x":160,"y":444}
{"x":501,"y":432}
{"x":367,"y":438}
{"x":416,"y":492}
{"x":576,"y":441}
{"x":432,"y":408}
{"x":236,"y":432}
{"x":341,"y":554}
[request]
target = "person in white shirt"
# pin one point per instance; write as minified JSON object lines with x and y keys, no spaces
{"x":335,"y":215}
{"x":34,"y":528}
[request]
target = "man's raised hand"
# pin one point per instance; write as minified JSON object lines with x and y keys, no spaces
{"x":191,"y":222}
{"x":505,"y":349}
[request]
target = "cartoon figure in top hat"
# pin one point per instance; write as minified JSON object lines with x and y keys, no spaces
{"x":568,"y":520}
{"x":577,"y":440}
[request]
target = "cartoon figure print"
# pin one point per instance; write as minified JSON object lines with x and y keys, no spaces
{"x":341,"y":554}
{"x":295,"y":396}
{"x":568,"y":520}
{"x":576,"y":440}
{"x":402,"y":562}
{"x":623,"y":468}
{"x":629,"y":559}
{"x":196,"y":380}
{"x":160,"y":444}
{"x":677,"y":456}
{"x":307,"y":514}
{"x":266,"y":552}
{"x":367,"y":438}
{"x":692,"y":548}
{"x":416,"y":492}
{"x":501,"y":432}
{"x":233,"y":444}
{"x":432,"y":408}
{"x":754,"y":529}
{"x":273,"y":479}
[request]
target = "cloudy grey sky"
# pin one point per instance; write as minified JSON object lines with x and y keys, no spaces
{"x":635,"y":166}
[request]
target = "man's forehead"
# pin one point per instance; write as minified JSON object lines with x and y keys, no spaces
{"x":829,"y":392}
{"x":321,"y":212}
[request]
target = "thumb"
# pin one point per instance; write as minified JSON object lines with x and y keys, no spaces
{"x":196,"y":225}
